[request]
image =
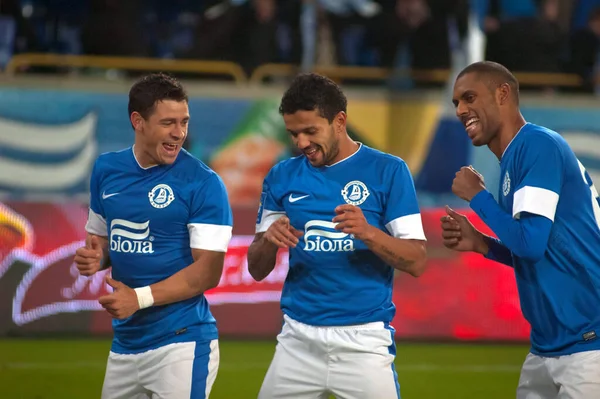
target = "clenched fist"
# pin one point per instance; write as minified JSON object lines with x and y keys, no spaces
{"x":88,"y":258}
{"x":467,"y":183}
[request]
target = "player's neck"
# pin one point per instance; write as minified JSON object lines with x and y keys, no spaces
{"x":506,"y":135}
{"x":142,"y":157}
{"x":347,"y":148}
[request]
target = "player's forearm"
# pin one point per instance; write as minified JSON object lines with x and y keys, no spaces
{"x":262,"y":256}
{"x":526,"y":237}
{"x":408,"y":256}
{"x":200,"y":276}
{"x":496,"y":251}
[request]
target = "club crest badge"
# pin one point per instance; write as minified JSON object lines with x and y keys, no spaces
{"x":161,"y":196}
{"x":506,"y":184}
{"x":355,"y":192}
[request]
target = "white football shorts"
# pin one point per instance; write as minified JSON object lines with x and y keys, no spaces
{"x":575,"y":376}
{"x":349,"y":362}
{"x":185,"y":370}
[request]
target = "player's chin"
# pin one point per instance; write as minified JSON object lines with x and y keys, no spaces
{"x":316,"y":159}
{"x":168,"y":155}
{"x":478,"y":140}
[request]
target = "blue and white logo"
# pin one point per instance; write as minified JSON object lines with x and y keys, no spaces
{"x":161,"y":196}
{"x":355,"y":192}
{"x":506,"y":184}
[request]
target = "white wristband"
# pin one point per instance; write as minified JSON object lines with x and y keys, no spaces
{"x":144,"y":296}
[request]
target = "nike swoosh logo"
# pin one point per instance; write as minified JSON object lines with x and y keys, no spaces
{"x":105,"y":196}
{"x":294,"y":199}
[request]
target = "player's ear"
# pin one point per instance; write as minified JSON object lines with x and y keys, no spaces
{"x":136,"y":120}
{"x":340,"y":121}
{"x":503,"y":93}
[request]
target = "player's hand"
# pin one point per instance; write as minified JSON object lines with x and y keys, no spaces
{"x":467,"y":183}
{"x":351,"y":220}
{"x":122,"y":303}
{"x":282,"y":234}
{"x":88,"y":258}
{"x":459,"y":234}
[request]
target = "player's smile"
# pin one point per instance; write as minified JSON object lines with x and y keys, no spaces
{"x":472,"y":126}
{"x":171,"y":149}
{"x":313,"y":153}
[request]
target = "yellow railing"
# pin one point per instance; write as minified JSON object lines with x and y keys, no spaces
{"x":430,"y":76}
{"x":236,"y":72}
{"x":128,"y":63}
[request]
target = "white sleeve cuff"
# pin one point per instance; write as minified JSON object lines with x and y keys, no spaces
{"x":210,"y":237}
{"x":535,"y":200}
{"x":267,"y":219}
{"x":409,"y":227}
{"x":96,"y":224}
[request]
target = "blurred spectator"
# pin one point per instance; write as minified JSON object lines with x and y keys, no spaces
{"x":419,"y":34}
{"x":114,"y":27}
{"x":370,"y":32}
{"x":585,"y":49}
{"x":581,"y":12}
{"x":565,"y":14}
{"x":349,"y":21}
{"x":529,"y":43}
{"x":9,"y":13}
{"x":241,"y":31}
{"x":430,"y":41}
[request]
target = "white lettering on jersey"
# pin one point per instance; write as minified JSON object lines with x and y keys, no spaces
{"x":317,"y":239}
{"x":130,"y":237}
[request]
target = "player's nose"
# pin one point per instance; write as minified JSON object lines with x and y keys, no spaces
{"x":461,"y":109}
{"x":178,"y":133}
{"x":302,"y":141}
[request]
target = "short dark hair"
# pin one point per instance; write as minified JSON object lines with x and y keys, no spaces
{"x":311,"y":91}
{"x":496,"y":74}
{"x":151,"y":89}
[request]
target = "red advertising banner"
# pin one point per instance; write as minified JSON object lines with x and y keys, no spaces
{"x":460,"y":296}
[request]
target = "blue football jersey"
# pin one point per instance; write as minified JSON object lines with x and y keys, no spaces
{"x":153,"y":217}
{"x":560,"y":293}
{"x":333,"y":278}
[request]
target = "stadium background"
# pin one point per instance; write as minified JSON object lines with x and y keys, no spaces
{"x":459,"y":327}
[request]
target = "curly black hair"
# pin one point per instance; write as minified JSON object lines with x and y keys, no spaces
{"x":150,"y":89}
{"x":311,"y":91}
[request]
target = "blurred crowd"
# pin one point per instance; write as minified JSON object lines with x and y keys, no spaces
{"x":525,"y":35}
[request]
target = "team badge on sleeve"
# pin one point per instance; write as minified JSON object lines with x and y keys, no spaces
{"x":355,"y":192}
{"x":261,"y":207}
{"x":506,"y":184}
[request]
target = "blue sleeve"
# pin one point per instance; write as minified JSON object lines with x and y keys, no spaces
{"x":539,"y":177}
{"x":270,"y":208}
{"x":498,"y":252}
{"x":96,"y":223}
{"x":211,"y":220}
{"x":526,"y":237}
{"x":402,"y":217}
{"x":95,"y":194}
